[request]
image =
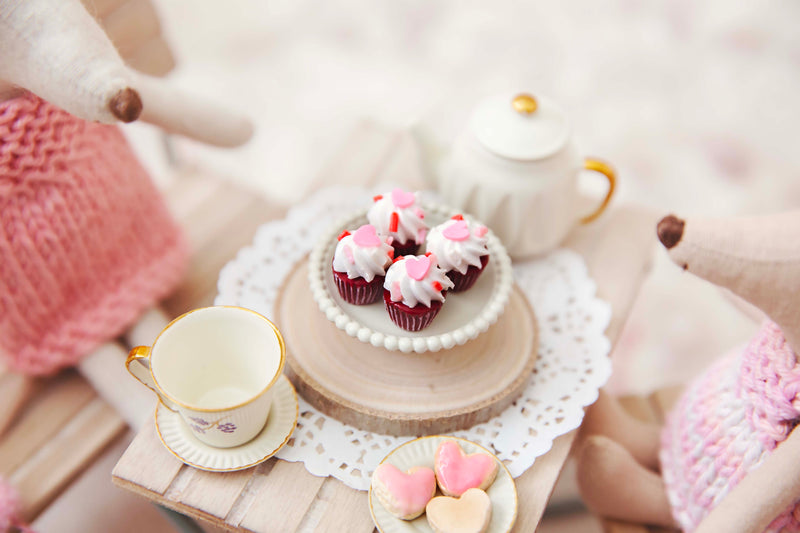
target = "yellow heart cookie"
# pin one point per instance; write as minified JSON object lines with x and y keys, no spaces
{"x":468,"y":514}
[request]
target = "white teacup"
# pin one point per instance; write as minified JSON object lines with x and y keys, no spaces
{"x":214,"y":366}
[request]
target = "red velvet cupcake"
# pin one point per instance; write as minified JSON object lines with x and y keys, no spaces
{"x":414,"y":291}
{"x":359,"y":265}
{"x":398,"y":215}
{"x":460,"y":248}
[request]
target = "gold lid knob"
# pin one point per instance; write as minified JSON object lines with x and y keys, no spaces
{"x":524,"y":104}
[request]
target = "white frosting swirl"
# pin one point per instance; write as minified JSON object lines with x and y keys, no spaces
{"x":362,"y":261}
{"x":410,"y":225}
{"x":457,"y":254}
{"x":412,"y":291}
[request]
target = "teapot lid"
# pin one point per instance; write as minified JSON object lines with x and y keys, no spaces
{"x":520,"y":126}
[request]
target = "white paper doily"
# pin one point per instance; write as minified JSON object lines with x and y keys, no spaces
{"x":573,"y":358}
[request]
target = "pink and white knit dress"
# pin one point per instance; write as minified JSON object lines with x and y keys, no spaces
{"x":86,"y":241}
{"x":727,"y":422}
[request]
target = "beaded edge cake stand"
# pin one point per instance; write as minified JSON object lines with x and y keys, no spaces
{"x":464,"y":316}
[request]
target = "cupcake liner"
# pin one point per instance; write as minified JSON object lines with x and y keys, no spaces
{"x":410,"y":318}
{"x":462,"y":282}
{"x":358,"y":291}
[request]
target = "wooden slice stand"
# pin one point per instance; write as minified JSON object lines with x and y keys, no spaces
{"x":404,"y":394}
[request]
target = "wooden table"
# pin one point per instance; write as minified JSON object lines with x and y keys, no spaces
{"x":279,"y":496}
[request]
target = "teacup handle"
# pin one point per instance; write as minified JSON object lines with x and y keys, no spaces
{"x":138,"y":364}
{"x":608,"y":172}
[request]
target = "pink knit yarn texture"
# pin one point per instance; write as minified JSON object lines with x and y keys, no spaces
{"x":86,"y":242}
{"x":725,"y":425}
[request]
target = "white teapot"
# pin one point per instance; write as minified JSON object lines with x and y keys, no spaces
{"x":516,"y":168}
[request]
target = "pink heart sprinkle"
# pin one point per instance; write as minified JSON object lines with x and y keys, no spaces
{"x":366,"y":236}
{"x":457,"y":231}
{"x":349,"y":253}
{"x":417,"y":267}
{"x":396,"y":293}
{"x":401,"y":198}
{"x":480,"y":231}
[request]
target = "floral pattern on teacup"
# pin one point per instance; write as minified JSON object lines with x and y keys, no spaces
{"x":201,"y":425}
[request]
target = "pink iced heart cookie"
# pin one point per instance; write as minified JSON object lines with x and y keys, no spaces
{"x":457,"y":231}
{"x":457,"y":472}
{"x":401,"y":198}
{"x":404,"y":494}
{"x":468,"y":514}
{"x":366,"y":236}
{"x":417,"y":267}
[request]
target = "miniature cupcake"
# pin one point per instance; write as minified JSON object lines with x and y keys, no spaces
{"x":460,"y":248}
{"x":359,"y":264}
{"x":414,"y":291}
{"x":399,"y":216}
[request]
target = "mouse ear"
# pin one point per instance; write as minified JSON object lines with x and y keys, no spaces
{"x":756,"y":258}
{"x":56,"y":50}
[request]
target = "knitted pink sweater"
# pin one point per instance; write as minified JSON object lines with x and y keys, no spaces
{"x":86,"y":243}
{"x":728,"y":421}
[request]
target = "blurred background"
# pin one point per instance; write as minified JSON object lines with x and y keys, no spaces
{"x":694,"y":103}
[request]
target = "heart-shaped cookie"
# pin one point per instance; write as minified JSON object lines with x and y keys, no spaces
{"x":401,"y":198}
{"x":457,"y":472}
{"x":404,"y":494}
{"x":470,"y":513}
{"x":417,"y":266}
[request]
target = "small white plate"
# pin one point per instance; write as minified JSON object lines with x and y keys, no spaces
{"x":178,"y":438}
{"x":420,"y":452}
{"x":464,"y":315}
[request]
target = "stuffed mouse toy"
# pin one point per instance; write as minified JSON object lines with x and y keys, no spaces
{"x":728,"y":458}
{"x":86,"y":241}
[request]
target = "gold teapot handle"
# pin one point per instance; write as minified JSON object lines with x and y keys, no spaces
{"x":606,"y":170}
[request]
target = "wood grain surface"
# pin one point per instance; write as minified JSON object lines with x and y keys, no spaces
{"x":395,"y":393}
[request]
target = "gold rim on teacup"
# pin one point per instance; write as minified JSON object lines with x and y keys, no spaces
{"x":142,"y":353}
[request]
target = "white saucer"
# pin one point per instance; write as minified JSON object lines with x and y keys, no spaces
{"x":420,"y":452}
{"x":178,"y":438}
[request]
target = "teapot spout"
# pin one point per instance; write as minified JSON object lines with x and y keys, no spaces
{"x":432,"y":152}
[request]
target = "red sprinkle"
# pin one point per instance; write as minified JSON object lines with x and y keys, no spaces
{"x":377,"y":197}
{"x":437,"y":286}
{"x":458,"y":217}
{"x":394,"y":222}
{"x":428,"y":254}
{"x":391,"y":253}
{"x":342,"y":235}
{"x":396,"y":259}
